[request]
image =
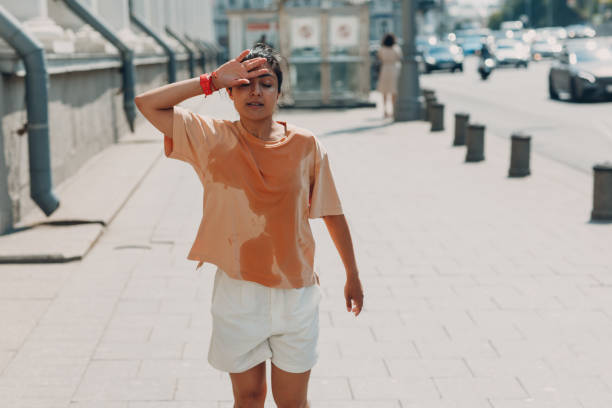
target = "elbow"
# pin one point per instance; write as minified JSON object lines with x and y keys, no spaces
{"x":138,"y":101}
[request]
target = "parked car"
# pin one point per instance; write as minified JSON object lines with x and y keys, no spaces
{"x":443,"y":56}
{"x":422,"y":42}
{"x":470,"y":45}
{"x":470,"y":41}
{"x":511,"y":53}
{"x":583,"y":70}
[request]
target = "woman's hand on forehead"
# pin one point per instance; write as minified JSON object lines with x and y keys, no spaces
{"x":237,"y":72}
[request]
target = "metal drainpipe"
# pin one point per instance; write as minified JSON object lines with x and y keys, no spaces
{"x":162,"y":43}
{"x":127,"y":57}
{"x":202,"y":52}
{"x":36,"y":84}
{"x":187,"y":48}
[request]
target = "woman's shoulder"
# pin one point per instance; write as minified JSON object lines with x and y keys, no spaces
{"x":216,"y":124}
{"x":303,"y":139}
{"x":299,"y":131}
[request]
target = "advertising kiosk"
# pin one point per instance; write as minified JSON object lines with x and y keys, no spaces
{"x":325,"y":50}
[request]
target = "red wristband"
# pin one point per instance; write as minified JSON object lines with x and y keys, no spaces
{"x":213,"y":75}
{"x":206,"y":84}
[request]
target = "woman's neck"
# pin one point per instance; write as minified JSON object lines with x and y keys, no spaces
{"x":262,"y":129}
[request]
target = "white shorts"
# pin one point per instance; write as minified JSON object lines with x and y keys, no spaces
{"x":253,"y":322}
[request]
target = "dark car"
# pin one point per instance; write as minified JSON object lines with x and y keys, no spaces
{"x":583,"y":70}
{"x":443,"y":56}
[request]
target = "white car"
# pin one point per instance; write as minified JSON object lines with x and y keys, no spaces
{"x":512,"y":52}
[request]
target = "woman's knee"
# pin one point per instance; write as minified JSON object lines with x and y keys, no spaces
{"x":250,"y":398}
{"x":250,"y":387}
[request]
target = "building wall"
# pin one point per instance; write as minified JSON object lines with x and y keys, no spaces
{"x":85,"y":116}
{"x":85,"y":107}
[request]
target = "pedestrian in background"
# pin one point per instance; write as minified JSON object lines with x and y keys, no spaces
{"x":263,"y":180}
{"x":390,"y":56}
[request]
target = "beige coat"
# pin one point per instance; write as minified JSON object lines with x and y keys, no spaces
{"x":390,"y":58}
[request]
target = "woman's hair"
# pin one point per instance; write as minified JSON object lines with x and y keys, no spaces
{"x":388,"y":40}
{"x":273,"y":58}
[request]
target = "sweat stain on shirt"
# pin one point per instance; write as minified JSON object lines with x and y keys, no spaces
{"x":258,"y":197}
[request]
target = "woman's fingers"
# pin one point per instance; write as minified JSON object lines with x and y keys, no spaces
{"x":253,"y":63}
{"x":257,"y":73}
{"x":240,"y":81}
{"x":243,"y":54}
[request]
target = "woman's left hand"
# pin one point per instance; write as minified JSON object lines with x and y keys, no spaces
{"x":353,"y":293}
{"x":237,"y":72}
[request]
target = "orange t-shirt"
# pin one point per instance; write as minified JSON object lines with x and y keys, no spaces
{"x":258,"y":197}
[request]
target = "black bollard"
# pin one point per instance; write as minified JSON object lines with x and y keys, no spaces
{"x":461,"y":123}
{"x":437,"y":117}
{"x":427,"y":92}
{"x":429,"y":100}
{"x":474,"y":141}
{"x":519,"y":156}
{"x":602,"y":192}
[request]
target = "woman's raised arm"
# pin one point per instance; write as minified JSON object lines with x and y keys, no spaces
{"x":157,"y":104}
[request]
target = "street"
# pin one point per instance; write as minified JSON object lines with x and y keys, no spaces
{"x":576,"y":134}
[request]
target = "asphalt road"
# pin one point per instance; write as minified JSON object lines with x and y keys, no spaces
{"x":576,"y":134}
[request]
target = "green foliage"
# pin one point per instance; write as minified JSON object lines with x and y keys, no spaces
{"x":562,"y":14}
{"x":495,"y":20}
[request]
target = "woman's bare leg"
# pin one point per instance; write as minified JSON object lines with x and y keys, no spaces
{"x":290,"y":390}
{"x":394,"y":104}
{"x":250,"y":387}
{"x":385,"y":97}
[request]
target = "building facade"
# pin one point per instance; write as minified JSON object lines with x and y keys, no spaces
{"x":87,"y":108}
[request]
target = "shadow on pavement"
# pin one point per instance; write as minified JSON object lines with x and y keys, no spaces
{"x":357,"y":129}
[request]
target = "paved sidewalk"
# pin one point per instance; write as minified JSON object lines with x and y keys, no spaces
{"x":480,"y":291}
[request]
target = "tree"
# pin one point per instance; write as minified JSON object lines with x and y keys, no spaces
{"x":562,"y":14}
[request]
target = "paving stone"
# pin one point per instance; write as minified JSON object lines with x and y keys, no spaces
{"x":486,"y":388}
{"x":508,"y":367}
{"x":118,"y":350}
{"x":349,"y":367}
{"x":535,"y":402}
{"x":446,"y":403}
{"x":427,"y":368}
{"x":125,"y":389}
{"x":178,"y":369}
{"x":203,"y":389}
{"x":173,"y":404}
{"x":98,"y":404}
{"x":103,"y":370}
{"x":127,"y":335}
{"x":393,"y":388}
{"x":560,"y":388}
{"x":456,"y":349}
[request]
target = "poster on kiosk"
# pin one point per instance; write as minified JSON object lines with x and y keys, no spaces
{"x":344,"y":31}
{"x":305,"y":33}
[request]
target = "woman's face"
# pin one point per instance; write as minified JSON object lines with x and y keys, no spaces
{"x":257,"y":100}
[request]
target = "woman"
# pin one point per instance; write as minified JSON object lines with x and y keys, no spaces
{"x":390,"y":56}
{"x":262,"y":180}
